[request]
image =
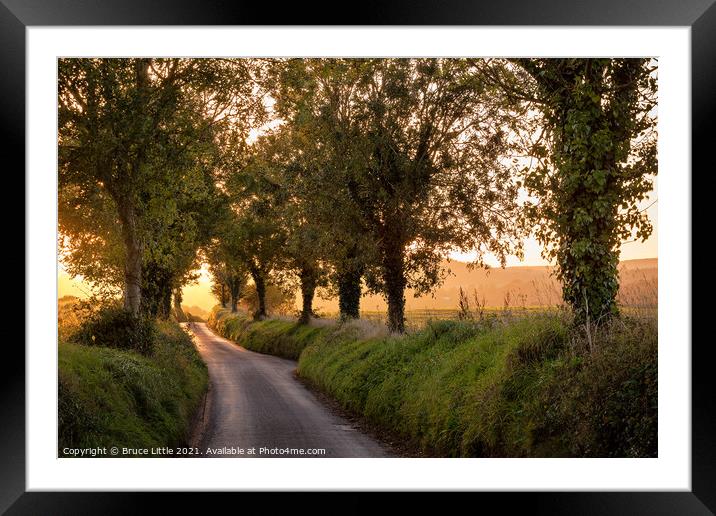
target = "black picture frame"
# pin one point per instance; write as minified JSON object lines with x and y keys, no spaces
{"x":700,"y":15}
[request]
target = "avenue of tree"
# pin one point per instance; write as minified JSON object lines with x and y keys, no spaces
{"x":349,"y":175}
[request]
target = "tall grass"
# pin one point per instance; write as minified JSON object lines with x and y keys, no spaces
{"x":71,"y":312}
{"x":119,"y":397}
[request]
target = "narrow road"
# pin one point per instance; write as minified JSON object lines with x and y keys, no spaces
{"x":255,"y":402}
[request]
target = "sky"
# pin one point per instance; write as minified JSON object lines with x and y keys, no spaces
{"x":629,"y":250}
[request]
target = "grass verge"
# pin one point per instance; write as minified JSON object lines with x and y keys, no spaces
{"x":525,"y":387}
{"x":111,"y":397}
{"x":280,"y":337}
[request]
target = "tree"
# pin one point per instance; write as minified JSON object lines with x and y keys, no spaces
{"x":291,"y":157}
{"x":183,"y":219}
{"x":218,"y":289}
{"x":128,"y":129}
{"x":254,"y":191}
{"x":422,"y":142}
{"x":599,"y":122}
{"x":229,"y":284}
{"x":179,"y":314}
{"x":313,"y":97}
{"x":227,"y":262}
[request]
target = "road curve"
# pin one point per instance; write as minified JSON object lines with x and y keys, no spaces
{"x":255,"y":402}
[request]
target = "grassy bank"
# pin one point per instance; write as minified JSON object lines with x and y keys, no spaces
{"x":112,"y":397}
{"x":284,"y":338}
{"x":525,"y":387}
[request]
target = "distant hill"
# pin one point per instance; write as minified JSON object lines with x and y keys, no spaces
{"x":520,"y":286}
{"x":195,"y":310}
{"x":528,"y":286}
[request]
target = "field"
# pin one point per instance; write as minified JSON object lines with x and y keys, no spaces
{"x":509,"y":292}
{"x":417,"y":319}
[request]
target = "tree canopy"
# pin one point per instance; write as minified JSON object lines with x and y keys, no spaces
{"x":138,"y":142}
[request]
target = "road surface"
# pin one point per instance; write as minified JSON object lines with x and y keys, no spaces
{"x":255,"y":402}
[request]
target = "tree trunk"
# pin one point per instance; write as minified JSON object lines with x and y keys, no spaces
{"x":156,"y":291}
{"x":223,"y":296}
{"x":133,"y":257}
{"x":349,"y":291}
{"x":591,"y":295}
{"x":308,"y":290}
{"x":234,"y":287}
{"x":128,"y":218}
{"x":178,"y":298}
{"x":395,"y":282}
{"x":260,"y":283}
{"x":165,"y":302}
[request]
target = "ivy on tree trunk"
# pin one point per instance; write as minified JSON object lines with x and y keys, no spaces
{"x":349,"y":292}
{"x":602,"y":154}
{"x":308,"y":278}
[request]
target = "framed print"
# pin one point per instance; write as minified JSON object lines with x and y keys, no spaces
{"x":416,"y":253}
